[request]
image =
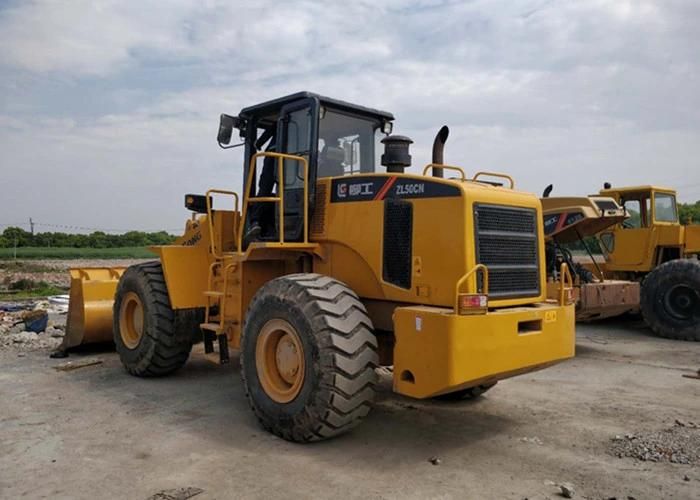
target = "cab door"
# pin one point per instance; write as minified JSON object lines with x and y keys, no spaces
{"x":631,"y":238}
{"x":298,"y":130}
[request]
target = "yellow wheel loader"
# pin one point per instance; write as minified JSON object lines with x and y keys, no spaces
{"x":344,"y":266}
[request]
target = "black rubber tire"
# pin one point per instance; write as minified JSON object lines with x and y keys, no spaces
{"x":340,"y":356}
{"x":466,"y":394}
{"x":164,"y":347}
{"x":667,"y":320}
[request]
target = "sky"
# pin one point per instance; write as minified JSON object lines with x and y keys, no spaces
{"x":109,"y":109}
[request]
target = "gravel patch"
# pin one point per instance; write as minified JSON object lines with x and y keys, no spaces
{"x":679,"y":444}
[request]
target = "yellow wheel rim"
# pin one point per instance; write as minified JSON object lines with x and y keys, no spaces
{"x":131,"y":320}
{"x":279,"y":359}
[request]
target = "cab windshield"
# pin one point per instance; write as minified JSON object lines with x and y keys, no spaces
{"x":346,"y":143}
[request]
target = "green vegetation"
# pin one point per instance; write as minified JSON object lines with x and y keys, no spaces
{"x":15,"y":236}
{"x":76,"y":253}
{"x":689,"y":211}
{"x":97,"y":245}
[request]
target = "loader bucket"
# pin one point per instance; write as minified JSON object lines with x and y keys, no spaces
{"x":92,"y":292}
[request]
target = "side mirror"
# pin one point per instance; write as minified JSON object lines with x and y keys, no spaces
{"x":226,"y":125}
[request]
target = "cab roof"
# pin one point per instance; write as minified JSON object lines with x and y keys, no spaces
{"x":274,"y":106}
{"x":634,"y":189}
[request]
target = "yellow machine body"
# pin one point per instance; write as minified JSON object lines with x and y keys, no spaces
{"x":433,"y":349}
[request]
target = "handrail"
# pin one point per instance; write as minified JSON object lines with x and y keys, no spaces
{"x":565,"y":279}
{"x":495,"y":174}
{"x":485,"y":273}
{"x":210,"y":219}
{"x":446,"y":167}
{"x":275,"y":199}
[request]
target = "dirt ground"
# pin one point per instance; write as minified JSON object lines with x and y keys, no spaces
{"x":97,"y":432}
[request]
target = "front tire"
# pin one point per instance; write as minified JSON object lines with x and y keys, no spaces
{"x":308,"y":355}
{"x":670,"y":300}
{"x":147,"y":336}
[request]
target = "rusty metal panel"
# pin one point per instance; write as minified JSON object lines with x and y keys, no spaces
{"x":607,"y":299}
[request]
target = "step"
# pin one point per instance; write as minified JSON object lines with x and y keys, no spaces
{"x":214,"y":327}
{"x":211,"y":293}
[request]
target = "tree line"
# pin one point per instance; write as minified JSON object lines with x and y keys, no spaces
{"x":15,"y":236}
{"x":689,"y":212}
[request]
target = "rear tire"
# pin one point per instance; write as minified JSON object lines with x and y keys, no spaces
{"x":670,"y":300}
{"x":329,"y":388}
{"x":466,"y":394}
{"x":149,"y":340}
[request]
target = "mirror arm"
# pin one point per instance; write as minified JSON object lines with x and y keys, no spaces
{"x":231,"y":146}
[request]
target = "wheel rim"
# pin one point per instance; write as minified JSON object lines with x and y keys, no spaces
{"x":279,"y":358}
{"x":682,"y":302}
{"x":131,"y":320}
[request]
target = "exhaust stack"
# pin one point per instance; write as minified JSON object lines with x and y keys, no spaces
{"x":439,"y":150}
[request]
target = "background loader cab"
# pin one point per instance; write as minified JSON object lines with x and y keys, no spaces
{"x":651,"y":235}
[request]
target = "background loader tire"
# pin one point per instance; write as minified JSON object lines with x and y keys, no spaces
{"x":465,"y":394}
{"x":162,"y":347}
{"x":670,"y":300}
{"x":330,"y":386}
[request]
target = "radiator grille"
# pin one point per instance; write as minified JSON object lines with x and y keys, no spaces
{"x":506,"y":243}
{"x":398,"y":236}
{"x":318,"y":217}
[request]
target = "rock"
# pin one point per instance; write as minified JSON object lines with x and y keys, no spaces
{"x":16,"y":329}
{"x":567,"y":490}
{"x":23,"y":337}
{"x":435,"y":460}
{"x":686,"y":478}
{"x":54,"y":332}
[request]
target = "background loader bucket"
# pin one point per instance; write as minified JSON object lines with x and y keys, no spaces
{"x":92,"y":292}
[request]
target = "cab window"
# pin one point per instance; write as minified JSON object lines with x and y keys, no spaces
{"x":634,"y":209}
{"x":345,"y":144}
{"x":665,"y":208}
{"x":297,"y":143}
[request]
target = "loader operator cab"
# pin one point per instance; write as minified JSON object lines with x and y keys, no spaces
{"x":335,"y":138}
{"x":652,"y":215}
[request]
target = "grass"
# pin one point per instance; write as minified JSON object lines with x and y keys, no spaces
{"x":76,"y":253}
